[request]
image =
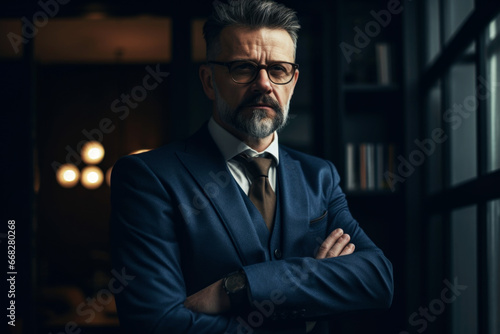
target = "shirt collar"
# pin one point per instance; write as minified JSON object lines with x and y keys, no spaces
{"x":230,"y":146}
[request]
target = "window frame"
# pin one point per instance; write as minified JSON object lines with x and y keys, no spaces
{"x":484,"y":187}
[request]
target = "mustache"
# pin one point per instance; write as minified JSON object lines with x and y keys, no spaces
{"x":261,"y":99}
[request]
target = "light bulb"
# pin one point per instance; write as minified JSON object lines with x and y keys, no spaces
{"x":68,"y":175}
{"x":92,"y":177}
{"x":92,"y":152}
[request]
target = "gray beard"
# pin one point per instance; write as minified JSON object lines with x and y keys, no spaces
{"x":259,"y":125}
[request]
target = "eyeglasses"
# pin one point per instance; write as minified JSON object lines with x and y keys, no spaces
{"x":245,"y":72}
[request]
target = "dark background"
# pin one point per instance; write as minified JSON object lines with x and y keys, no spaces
{"x":66,"y":78}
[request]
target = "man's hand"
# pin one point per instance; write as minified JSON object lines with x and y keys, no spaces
{"x":210,"y":300}
{"x":214,"y":300}
{"x":336,"y":244}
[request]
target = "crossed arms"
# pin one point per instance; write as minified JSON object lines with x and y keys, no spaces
{"x":214,"y":300}
{"x":145,"y":240}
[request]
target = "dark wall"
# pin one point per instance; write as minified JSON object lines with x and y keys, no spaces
{"x":77,"y":103}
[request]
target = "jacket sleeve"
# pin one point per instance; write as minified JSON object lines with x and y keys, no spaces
{"x":304,"y":287}
{"x":145,"y":247}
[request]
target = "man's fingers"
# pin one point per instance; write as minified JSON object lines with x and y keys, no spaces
{"x":349,"y":249}
{"x":328,"y":243}
{"x":339,"y":246}
{"x":336,"y":244}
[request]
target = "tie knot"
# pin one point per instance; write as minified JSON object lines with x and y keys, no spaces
{"x":256,"y":166}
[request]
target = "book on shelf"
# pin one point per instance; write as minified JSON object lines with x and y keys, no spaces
{"x":366,"y":164}
{"x":350,"y":179}
{"x":383,"y":61}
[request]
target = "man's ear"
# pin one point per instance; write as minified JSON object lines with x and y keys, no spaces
{"x":206,"y":78}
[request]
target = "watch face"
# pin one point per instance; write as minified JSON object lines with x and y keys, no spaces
{"x":235,"y":282}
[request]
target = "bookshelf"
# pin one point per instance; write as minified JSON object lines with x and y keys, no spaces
{"x":368,"y":135}
{"x":369,"y":95}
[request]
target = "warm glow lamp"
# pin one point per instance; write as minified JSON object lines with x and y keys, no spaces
{"x":140,"y":151}
{"x":108,"y":175}
{"x":92,"y":152}
{"x":68,"y":175}
{"x":92,"y":177}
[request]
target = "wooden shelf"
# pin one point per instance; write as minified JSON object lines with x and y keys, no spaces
{"x":370,"y":88}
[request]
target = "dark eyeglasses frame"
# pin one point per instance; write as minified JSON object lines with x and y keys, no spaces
{"x":259,"y":68}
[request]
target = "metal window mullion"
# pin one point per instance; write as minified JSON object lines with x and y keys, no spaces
{"x":424,"y":123}
{"x":446,"y":182}
{"x":446,"y":164}
{"x":482,"y":269}
{"x":482,"y":160}
{"x":445,"y":161}
{"x":482,"y":107}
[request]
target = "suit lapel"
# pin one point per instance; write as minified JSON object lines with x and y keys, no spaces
{"x":294,"y":205}
{"x":205,"y":163}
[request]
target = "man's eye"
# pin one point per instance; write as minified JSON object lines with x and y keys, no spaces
{"x":279,"y":71}
{"x":278,"y":68}
{"x":243,"y":67}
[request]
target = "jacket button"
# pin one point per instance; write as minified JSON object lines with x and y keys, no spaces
{"x":277,"y":253}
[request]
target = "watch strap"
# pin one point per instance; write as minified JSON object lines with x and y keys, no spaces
{"x":238,"y":295}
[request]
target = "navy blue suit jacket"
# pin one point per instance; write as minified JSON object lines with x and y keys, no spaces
{"x":180,"y":222}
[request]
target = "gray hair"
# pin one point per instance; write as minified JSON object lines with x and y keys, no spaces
{"x":248,"y":13}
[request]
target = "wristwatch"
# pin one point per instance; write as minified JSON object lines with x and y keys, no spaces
{"x":235,"y":285}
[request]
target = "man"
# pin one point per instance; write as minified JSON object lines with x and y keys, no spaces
{"x":212,"y":245}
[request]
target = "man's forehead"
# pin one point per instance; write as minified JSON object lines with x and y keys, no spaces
{"x":243,"y":39}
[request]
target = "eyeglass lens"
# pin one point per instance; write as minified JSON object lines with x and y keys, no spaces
{"x":245,"y":72}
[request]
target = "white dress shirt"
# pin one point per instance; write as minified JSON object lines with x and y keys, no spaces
{"x":230,"y":146}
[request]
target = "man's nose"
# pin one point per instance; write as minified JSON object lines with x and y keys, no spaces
{"x":262,"y":83}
